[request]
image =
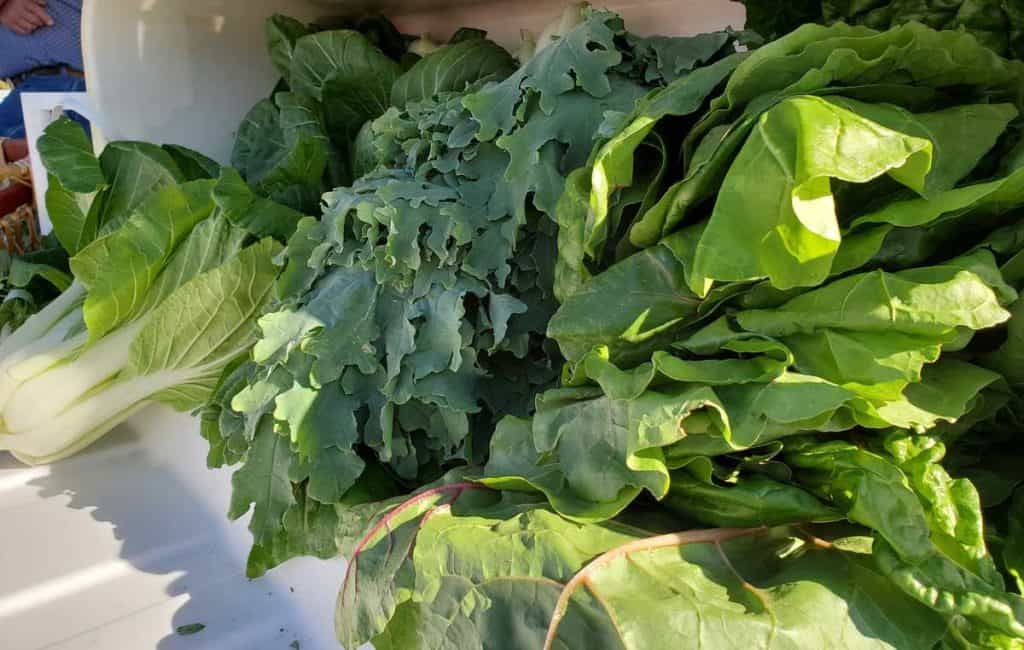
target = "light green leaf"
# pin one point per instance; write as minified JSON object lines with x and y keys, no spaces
{"x":344,"y":304}
{"x":868,"y":488}
{"x":981,"y":199}
{"x":614,"y":164}
{"x":875,"y":365}
{"x":308,"y":529}
{"x":317,"y":419}
{"x":67,"y":154}
{"x":211,"y":243}
{"x":775,"y":214}
{"x":134,"y":172}
{"x":515,"y":465}
{"x":370,"y":591}
{"x":22,"y":272}
{"x":329,"y":474}
{"x":256,"y":215}
{"x":625,"y":307}
{"x":119,"y":268}
{"x":75,"y":217}
{"x":204,"y":324}
{"x":953,"y":155}
{"x":88,"y":197}
{"x":813,"y":57}
{"x":953,"y":506}
{"x":984,"y":615}
{"x":945,"y":393}
{"x":929,"y":301}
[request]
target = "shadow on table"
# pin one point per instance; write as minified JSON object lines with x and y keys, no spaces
{"x":167,"y":526}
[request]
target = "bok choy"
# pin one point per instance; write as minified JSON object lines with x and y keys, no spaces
{"x":171,"y":269}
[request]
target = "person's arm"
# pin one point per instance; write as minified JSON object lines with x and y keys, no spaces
{"x":24,"y":16}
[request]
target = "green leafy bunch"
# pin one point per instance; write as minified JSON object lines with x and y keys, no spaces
{"x":29,"y":281}
{"x":788,"y":287}
{"x":412,"y":314}
{"x":295,"y":144}
{"x":997,"y":24}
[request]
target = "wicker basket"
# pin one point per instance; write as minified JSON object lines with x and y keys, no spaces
{"x":19,"y":231}
{"x":19,"y":228}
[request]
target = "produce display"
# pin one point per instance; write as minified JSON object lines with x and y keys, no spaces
{"x":614,"y":342}
{"x":412,"y":315}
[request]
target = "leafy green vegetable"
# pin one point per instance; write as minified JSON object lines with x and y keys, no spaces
{"x":295,"y":145}
{"x":29,"y":281}
{"x":565,"y":325}
{"x":349,"y":77}
{"x":785,"y":157}
{"x":509,"y":573}
{"x":164,"y":297}
{"x":750,"y":501}
{"x":996,"y":24}
{"x":451,"y":68}
{"x":800,"y":324}
{"x":282,"y":32}
{"x":88,"y":197}
{"x":411,"y":317}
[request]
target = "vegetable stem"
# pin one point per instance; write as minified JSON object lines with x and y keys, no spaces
{"x":385,"y":521}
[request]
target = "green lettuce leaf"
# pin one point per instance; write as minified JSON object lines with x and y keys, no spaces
{"x":778,"y":188}
{"x":997,"y":25}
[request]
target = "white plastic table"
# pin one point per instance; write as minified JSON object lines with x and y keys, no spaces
{"x":117,"y":547}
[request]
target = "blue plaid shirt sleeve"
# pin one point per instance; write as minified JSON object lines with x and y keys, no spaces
{"x":47,"y":46}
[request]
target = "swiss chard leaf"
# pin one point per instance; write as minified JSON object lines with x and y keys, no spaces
{"x":455,"y":555}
